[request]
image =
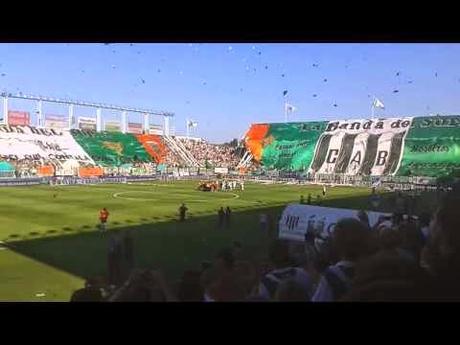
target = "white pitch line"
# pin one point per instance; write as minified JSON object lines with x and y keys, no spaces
{"x":119,"y":196}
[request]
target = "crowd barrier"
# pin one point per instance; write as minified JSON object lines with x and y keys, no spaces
{"x":21,"y":182}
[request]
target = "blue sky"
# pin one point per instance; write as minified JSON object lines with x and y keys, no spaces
{"x":226,"y":87}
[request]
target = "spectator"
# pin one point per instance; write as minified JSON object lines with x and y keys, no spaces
{"x":351,"y":242}
{"x":290,"y":290}
{"x":442,"y":254}
{"x":388,"y":277}
{"x":364,"y":218}
{"x":228,"y":214}
{"x":114,"y":259}
{"x":263,"y":222}
{"x":283,"y":270}
{"x":128,"y":250}
{"x":144,"y":286}
{"x":221,"y":216}
{"x":190,"y":289}
{"x":92,"y":292}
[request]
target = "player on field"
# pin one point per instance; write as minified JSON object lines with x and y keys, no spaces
{"x":182,"y":210}
{"x":103,"y":216}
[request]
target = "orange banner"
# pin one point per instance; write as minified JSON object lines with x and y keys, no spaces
{"x":254,"y":139}
{"x":90,"y":172}
{"x":45,"y":170}
{"x":153,"y":145}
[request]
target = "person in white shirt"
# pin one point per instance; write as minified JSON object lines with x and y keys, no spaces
{"x":283,"y":272}
{"x":352,"y":240}
{"x":242,"y":185}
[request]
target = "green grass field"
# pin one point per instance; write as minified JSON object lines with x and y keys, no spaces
{"x":52,"y":243}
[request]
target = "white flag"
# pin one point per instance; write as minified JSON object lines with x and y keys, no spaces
{"x":378,"y":104}
{"x":192,"y":124}
{"x":290,"y":108}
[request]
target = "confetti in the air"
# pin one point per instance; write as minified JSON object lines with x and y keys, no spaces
{"x":436,"y":74}
{"x":266,"y":67}
{"x":315,"y":65}
{"x":143,"y":81}
{"x":395,"y":91}
{"x":282,"y":75}
{"x":230,"y":48}
{"x":315,"y":95}
{"x":325,"y":80}
{"x":285,"y":92}
{"x":398,"y":73}
{"x":335,"y":105}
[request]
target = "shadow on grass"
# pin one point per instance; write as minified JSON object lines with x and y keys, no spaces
{"x":171,"y":246}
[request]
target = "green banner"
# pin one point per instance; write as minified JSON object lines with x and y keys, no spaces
{"x":111,"y":148}
{"x":291,"y":146}
{"x":432,"y":147}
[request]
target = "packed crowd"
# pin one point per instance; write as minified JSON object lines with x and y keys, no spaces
{"x":29,"y":167}
{"x":223,"y":156}
{"x":402,"y":258}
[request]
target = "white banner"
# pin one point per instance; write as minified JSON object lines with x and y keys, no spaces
{"x":56,"y":121}
{"x":25,"y":142}
{"x":295,"y":218}
{"x":221,"y":170}
{"x":367,"y":147}
{"x":87,"y":123}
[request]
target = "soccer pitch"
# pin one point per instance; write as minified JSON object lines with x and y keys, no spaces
{"x":51,"y":242}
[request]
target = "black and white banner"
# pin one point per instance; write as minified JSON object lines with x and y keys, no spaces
{"x":364,"y":147}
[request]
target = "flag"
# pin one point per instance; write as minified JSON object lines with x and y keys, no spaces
{"x":290,"y":108}
{"x":378,"y":104}
{"x":192,"y":124}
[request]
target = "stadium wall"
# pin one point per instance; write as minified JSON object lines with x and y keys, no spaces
{"x":403,"y":146}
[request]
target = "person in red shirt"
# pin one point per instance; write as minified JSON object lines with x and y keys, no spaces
{"x":103,"y":216}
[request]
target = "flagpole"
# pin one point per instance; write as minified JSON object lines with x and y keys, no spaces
{"x":285,"y":111}
{"x":188,"y":128}
{"x":372,"y":106}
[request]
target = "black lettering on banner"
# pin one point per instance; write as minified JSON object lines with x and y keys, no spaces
{"x":381,"y":158}
{"x":343,"y":126}
{"x":19,"y":130}
{"x":321,"y":152}
{"x":356,"y":158}
{"x":370,"y":154}
{"x":332,"y":126}
{"x":426,"y":123}
{"x":346,"y":150}
{"x":355,"y":125}
{"x":396,"y":124}
{"x":395,"y":153}
{"x":379,"y":125}
{"x":405,"y":123}
{"x":367,"y":125}
{"x":34,"y":130}
{"x":331,"y":159}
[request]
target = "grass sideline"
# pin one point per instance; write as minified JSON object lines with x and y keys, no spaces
{"x":51,"y":243}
